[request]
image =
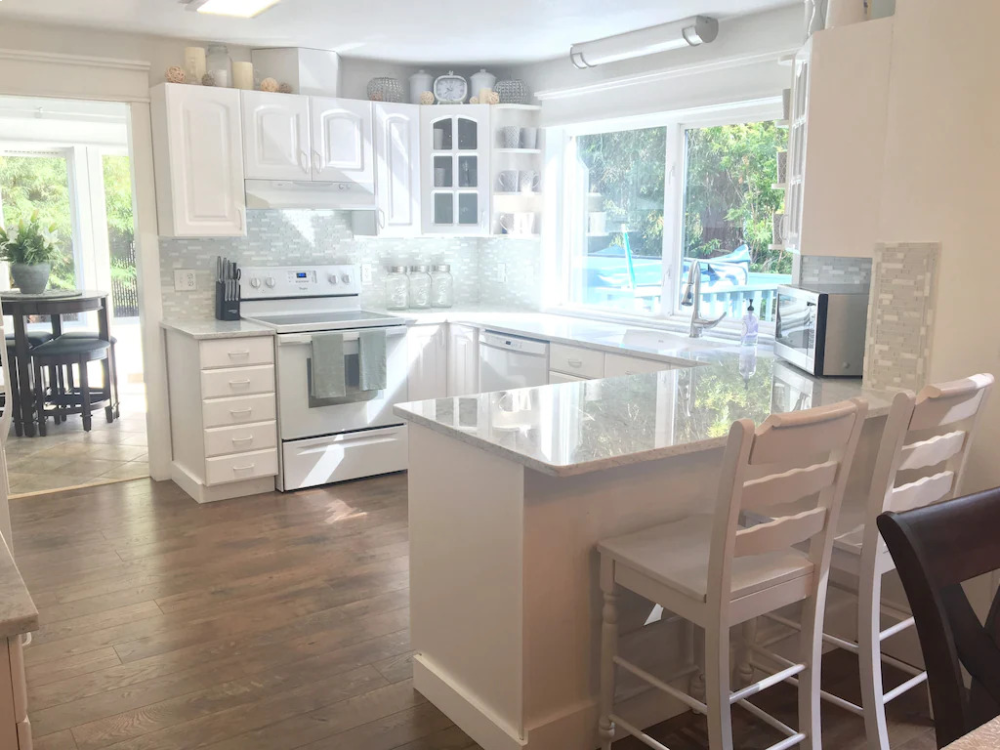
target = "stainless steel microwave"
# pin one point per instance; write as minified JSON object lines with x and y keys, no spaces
{"x":821,"y":328}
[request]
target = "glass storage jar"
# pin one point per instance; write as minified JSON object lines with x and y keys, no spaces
{"x":397,"y":288}
{"x":220,"y":65}
{"x":442,"y":286}
{"x":420,"y":287}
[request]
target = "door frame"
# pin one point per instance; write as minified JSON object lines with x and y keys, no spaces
{"x":61,"y":76}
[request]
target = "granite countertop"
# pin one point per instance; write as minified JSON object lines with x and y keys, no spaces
{"x":17,"y":612}
{"x":209,"y":328}
{"x":575,"y":428}
{"x":616,"y":338}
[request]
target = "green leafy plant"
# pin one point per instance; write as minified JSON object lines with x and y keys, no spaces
{"x":29,"y":242}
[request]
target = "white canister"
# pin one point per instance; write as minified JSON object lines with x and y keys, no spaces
{"x":420,"y":82}
{"x":243,"y":75}
{"x":194,"y":63}
{"x":845,"y":12}
{"x":482,"y":80}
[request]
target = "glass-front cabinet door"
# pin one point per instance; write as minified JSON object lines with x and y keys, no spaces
{"x":455,"y":165}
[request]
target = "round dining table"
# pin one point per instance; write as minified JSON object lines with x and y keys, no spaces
{"x":55,"y":304}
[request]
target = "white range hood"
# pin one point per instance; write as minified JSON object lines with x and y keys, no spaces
{"x":344,"y":196}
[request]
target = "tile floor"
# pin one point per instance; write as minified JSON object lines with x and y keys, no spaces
{"x":69,"y":457}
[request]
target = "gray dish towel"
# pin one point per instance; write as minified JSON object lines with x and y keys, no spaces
{"x":371,"y":360}
{"x":329,"y":379}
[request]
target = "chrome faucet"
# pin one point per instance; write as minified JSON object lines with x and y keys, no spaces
{"x":691,"y":297}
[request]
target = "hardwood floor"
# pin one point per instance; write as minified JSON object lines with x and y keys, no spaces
{"x":269,"y":623}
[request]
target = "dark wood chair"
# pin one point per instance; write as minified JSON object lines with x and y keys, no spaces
{"x":57,"y":401}
{"x":935,"y":549}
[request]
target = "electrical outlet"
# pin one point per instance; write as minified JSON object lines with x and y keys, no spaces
{"x":366,"y":273}
{"x":502,"y":273}
{"x":185,"y":280}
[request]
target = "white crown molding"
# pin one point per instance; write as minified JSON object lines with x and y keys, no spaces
{"x":653,"y":76}
{"x":58,"y":58}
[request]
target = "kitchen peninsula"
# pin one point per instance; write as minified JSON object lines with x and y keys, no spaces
{"x":509,"y":492}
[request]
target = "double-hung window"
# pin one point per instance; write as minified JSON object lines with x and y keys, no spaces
{"x":642,"y":204}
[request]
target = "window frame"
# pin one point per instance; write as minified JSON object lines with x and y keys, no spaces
{"x":566,"y":227}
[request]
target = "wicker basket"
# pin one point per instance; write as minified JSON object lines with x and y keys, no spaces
{"x":512,"y":91}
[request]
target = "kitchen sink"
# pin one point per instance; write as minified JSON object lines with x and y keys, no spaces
{"x":662,"y":340}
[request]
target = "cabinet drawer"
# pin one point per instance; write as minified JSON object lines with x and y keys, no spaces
{"x":584,"y":363}
{"x":241,"y":466}
{"x":237,"y":381}
{"x":221,"y":441}
{"x":224,"y":412}
{"x":615,"y":364}
{"x":257,"y":350}
{"x":561,"y":377}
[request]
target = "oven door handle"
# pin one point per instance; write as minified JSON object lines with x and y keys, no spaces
{"x":291,"y":339}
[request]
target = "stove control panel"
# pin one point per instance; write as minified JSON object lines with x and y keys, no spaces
{"x":270,"y":282}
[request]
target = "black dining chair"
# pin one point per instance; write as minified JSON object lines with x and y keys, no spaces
{"x":56,"y":401}
{"x":935,"y":550}
{"x":35,"y":338}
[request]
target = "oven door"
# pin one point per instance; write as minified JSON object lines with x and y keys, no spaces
{"x":301,"y":416}
{"x":797,"y":328}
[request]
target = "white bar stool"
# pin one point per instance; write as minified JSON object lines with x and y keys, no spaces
{"x":920,"y":461}
{"x":714,"y":574}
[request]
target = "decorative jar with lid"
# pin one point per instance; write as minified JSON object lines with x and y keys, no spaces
{"x":442,"y":286}
{"x":397,"y":288}
{"x":420,"y":287}
{"x":220,"y":65}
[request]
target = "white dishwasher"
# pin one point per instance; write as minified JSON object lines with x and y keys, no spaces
{"x":507,"y":362}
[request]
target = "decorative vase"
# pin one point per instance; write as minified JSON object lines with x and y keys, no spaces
{"x":30,"y":279}
{"x":385,"y":89}
{"x":420,"y":82}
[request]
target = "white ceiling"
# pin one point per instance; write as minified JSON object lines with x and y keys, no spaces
{"x":441,"y":31}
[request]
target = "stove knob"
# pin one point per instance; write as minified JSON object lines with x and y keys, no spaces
{"x":255,"y":282}
{"x":346,"y":279}
{"x":270,"y":282}
{"x":332,"y":278}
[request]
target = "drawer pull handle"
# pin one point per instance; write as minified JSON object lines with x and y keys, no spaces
{"x":249,"y":467}
{"x":241,"y":355}
{"x":575,"y":362}
{"x":239,"y":383}
{"x":243,"y":440}
{"x":248,"y":410}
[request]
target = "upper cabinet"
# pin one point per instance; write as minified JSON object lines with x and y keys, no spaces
{"x":455,"y":166}
{"x":198,"y":160}
{"x":341,"y":140}
{"x":307,"y":138}
{"x":837,"y":140}
{"x":275,"y":136}
{"x":397,"y":161}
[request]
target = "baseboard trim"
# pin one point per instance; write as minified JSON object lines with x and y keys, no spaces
{"x":202,"y":494}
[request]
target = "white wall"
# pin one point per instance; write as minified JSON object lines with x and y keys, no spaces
{"x":739,"y":65}
{"x":160,"y":52}
{"x":940,"y":185}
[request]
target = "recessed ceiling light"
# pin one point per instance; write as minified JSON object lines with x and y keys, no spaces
{"x":235,"y":8}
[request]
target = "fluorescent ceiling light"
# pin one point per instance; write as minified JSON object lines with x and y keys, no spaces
{"x":688,"y":32}
{"x":235,"y":8}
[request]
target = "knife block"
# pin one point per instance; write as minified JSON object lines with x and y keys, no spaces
{"x":225,"y":309}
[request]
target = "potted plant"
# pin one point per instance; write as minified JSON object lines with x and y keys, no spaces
{"x":29,"y":248}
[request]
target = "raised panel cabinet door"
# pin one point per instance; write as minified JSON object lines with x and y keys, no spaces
{"x":205,"y":161}
{"x":463,"y":361}
{"x":342,"y":149}
{"x":428,"y":350}
{"x":276,"y":136}
{"x":397,"y":169}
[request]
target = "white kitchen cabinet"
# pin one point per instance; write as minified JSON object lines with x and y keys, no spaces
{"x":222,"y":415}
{"x":276,"y":140}
{"x":397,"y":169}
{"x":341,"y":132}
{"x":198,"y":160}
{"x":618,"y":364}
{"x":561,"y":377}
{"x":455,"y":176}
{"x":428,"y":350}
{"x":463,"y":360}
{"x":576,"y":361}
{"x":837,"y":140}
